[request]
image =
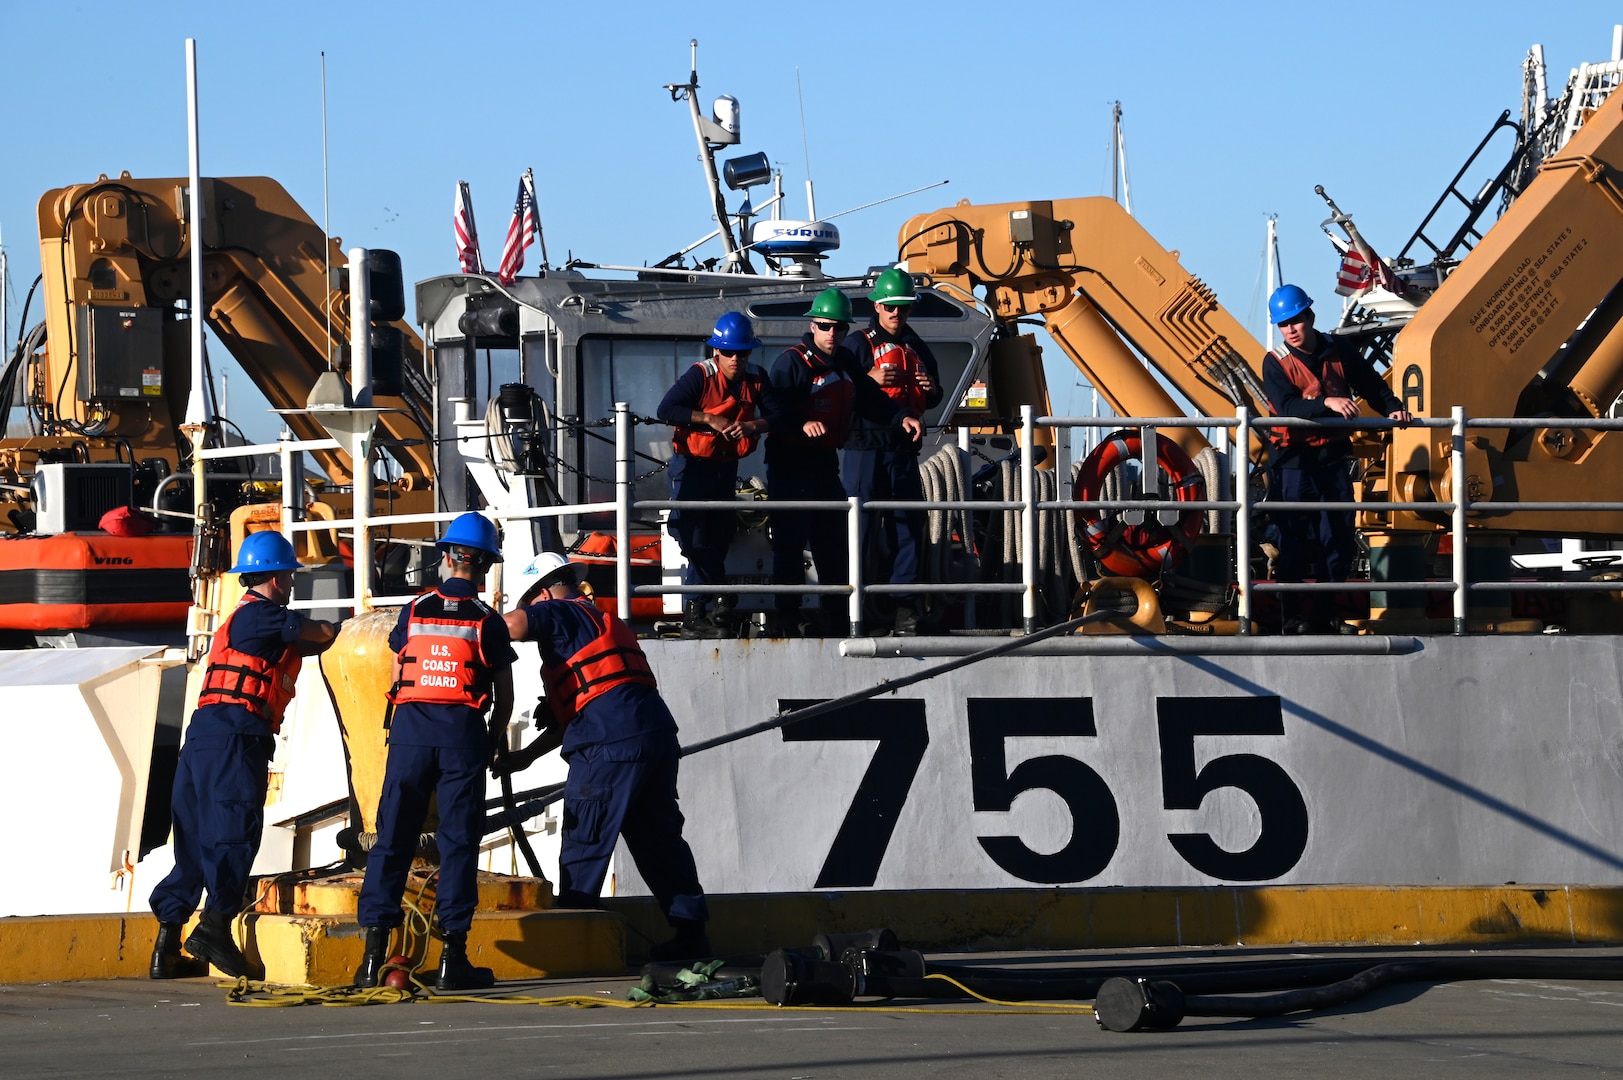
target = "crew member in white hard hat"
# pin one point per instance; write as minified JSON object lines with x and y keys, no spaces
{"x":619,"y":737}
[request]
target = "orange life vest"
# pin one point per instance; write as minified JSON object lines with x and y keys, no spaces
{"x":443,"y":661}
{"x":894,"y":354}
{"x":832,"y":397}
{"x":263,"y":687}
{"x":613,"y":658}
{"x":1333,"y":383}
{"x":736,"y":401}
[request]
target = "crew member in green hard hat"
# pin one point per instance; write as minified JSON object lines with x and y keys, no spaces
{"x":720,"y":408}
{"x":218,"y":804}
{"x":452,"y":695}
{"x":881,"y":460}
{"x":819,"y":390}
{"x":1314,"y":376}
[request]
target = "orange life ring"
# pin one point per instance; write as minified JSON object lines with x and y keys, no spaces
{"x":1139,"y":551}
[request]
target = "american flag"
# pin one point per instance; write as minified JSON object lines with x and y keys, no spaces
{"x":467,"y":234}
{"x":1363,"y":270}
{"x":521,"y":232}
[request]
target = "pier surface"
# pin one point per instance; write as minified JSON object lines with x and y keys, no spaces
{"x":137,"y":1028}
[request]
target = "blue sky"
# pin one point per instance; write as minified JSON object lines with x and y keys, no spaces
{"x":1232,"y":112}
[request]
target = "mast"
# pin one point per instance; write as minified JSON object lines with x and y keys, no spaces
{"x":1119,"y":189}
{"x":1275,"y":276}
{"x":5,"y":316}
{"x":711,"y":134}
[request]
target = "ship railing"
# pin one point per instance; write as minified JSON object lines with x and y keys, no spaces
{"x":362,"y":525}
{"x":1459,"y":584}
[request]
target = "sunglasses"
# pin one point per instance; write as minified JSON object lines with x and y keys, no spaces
{"x":732,"y":352}
{"x":894,"y":309}
{"x":826,"y":326}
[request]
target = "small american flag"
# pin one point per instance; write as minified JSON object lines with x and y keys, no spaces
{"x":1363,"y":270}
{"x":521,"y":232}
{"x":1355,"y":275}
{"x":467,"y":234}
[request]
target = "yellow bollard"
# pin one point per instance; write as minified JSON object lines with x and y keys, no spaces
{"x":358,"y":670}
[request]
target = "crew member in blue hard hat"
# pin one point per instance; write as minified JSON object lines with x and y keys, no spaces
{"x":452,"y":671}
{"x":218,"y":805}
{"x":720,"y":407}
{"x":604,"y":709}
{"x":820,"y":391}
{"x":1314,"y":376}
{"x":881,"y":460}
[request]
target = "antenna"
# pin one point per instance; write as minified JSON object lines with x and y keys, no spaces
{"x":805,"y":148}
{"x":326,"y":210}
{"x":1118,"y":160}
{"x":711,"y":136}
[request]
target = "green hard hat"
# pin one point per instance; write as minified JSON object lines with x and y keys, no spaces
{"x":831,"y":304}
{"x":893,"y":287}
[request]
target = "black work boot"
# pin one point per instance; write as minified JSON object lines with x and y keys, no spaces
{"x":376,"y":955}
{"x":905,"y":623}
{"x":167,"y":960}
{"x":690,"y":942}
{"x":696,"y":623}
{"x":456,"y":973}
{"x":212,"y":941}
{"x":724,"y":615}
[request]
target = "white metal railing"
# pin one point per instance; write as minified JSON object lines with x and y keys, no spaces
{"x":362,"y":526}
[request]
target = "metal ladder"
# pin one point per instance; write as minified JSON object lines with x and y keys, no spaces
{"x":1467,"y":235}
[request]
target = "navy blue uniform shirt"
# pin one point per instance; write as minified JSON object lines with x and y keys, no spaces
{"x":792,"y":380}
{"x":634,"y":718}
{"x":418,"y":723}
{"x":1286,"y":399}
{"x":682,"y":400}
{"x":258,"y":628}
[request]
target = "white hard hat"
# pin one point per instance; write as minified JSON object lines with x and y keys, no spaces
{"x":549,"y":568}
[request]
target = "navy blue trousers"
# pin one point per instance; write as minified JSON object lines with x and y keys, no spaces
{"x":218,"y":806}
{"x":793,"y":530}
{"x":895,"y":556}
{"x":1313,"y":544}
{"x":413,"y":774}
{"x":606,"y":799}
{"x":704,"y":535}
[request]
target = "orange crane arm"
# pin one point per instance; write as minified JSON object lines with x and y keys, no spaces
{"x":1109,"y":294}
{"x":124,"y":244}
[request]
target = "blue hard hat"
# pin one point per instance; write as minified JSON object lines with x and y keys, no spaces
{"x":472,"y":530}
{"x":735,"y":333}
{"x":1287,"y":302}
{"x":265,"y":552}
